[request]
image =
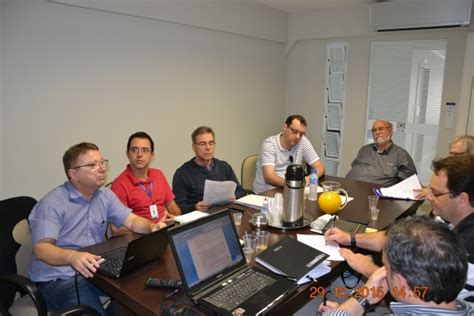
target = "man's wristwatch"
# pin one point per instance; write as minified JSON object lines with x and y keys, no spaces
{"x":353,"y":241}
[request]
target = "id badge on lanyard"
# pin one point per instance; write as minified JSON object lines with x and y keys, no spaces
{"x":154,"y":211}
{"x":153,"y":207}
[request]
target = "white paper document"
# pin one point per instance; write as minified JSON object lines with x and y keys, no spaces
{"x":318,"y":242}
{"x":401,"y":190}
{"x":337,"y":60}
{"x":253,"y":200}
{"x":189,"y":217}
{"x":217,"y":192}
{"x":332,"y":142}
{"x":333,"y":116}
{"x":336,"y":88}
{"x":320,"y":270}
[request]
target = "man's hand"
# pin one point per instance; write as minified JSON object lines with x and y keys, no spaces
{"x":420,"y":194}
{"x":337,"y":235}
{"x":377,"y":281}
{"x":201,"y":206}
{"x":329,"y":305}
{"x":360,"y":263}
{"x":83,"y":262}
{"x":167,"y":219}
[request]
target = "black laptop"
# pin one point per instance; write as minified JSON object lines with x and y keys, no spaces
{"x":215,"y":274}
{"x":121,"y":261}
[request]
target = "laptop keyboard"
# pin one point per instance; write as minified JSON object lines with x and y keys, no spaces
{"x":240,"y":289}
{"x":113,"y":263}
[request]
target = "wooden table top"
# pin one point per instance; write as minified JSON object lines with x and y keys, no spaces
{"x":133,"y":298}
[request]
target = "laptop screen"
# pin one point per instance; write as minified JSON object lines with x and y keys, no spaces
{"x":206,"y":248}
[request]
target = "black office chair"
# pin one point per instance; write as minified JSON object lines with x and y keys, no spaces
{"x":15,"y":211}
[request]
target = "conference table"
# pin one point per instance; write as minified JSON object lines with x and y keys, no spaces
{"x":132,"y":298}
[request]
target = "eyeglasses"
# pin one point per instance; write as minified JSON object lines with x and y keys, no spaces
{"x":204,"y":144}
{"x":143,"y":150}
{"x":432,"y":194}
{"x":381,"y":129}
{"x":95,"y":165}
{"x":295,"y":131}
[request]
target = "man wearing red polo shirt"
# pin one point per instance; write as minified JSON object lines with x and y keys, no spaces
{"x":141,"y":188}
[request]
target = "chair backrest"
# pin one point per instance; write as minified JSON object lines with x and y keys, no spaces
{"x":12,"y":211}
{"x":21,"y":234}
{"x":249,"y":167}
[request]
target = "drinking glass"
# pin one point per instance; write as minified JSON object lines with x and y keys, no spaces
{"x":374,"y":214}
{"x":262,"y":240}
{"x":373,"y":200}
{"x":237,"y":218}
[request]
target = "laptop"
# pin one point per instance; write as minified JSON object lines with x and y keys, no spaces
{"x":121,"y":261}
{"x":215,"y":274}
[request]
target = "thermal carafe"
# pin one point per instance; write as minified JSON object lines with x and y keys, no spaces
{"x":293,"y":192}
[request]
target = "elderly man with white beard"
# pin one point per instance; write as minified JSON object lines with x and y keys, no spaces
{"x":382,"y":162}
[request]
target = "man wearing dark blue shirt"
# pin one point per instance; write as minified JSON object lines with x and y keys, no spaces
{"x":189,"y":179}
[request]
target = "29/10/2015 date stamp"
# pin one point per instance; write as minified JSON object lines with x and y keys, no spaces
{"x":374,"y":292}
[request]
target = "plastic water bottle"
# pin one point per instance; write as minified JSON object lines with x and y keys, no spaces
{"x":313,"y":185}
{"x":265,"y":208}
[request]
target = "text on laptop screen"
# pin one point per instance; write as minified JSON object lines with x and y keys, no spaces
{"x":207,"y":250}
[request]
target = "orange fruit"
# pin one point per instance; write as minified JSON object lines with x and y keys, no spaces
{"x":329,"y":202}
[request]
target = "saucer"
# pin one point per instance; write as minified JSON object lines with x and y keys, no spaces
{"x":306,"y":223}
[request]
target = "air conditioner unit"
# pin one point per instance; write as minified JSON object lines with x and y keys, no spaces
{"x":419,"y":14}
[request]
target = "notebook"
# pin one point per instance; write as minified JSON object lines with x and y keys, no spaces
{"x":215,"y":274}
{"x":292,"y":258}
{"x":121,"y":261}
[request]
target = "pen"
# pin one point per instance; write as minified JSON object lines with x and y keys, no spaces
{"x":172,"y":293}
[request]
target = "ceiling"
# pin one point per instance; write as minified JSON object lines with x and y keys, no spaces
{"x":292,"y":6}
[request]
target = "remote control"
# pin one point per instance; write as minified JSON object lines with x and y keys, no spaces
{"x":163,"y":283}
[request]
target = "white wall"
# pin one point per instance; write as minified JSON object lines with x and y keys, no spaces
{"x":74,"y":74}
{"x":239,"y":17}
{"x":306,"y":61}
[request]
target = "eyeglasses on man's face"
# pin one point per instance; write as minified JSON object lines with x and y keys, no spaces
{"x":143,"y":150}
{"x":295,"y":131}
{"x":434,"y":194}
{"x":380,"y":129}
{"x":204,"y":144}
{"x":104,"y":163}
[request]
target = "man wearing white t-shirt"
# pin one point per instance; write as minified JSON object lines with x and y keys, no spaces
{"x":278,"y":151}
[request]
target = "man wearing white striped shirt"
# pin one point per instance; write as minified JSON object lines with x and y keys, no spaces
{"x":425,"y":268}
{"x":279,"y":151}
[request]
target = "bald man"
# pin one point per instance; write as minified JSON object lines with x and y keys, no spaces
{"x":382,"y":162}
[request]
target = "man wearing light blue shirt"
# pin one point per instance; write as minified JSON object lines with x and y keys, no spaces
{"x":70,"y":217}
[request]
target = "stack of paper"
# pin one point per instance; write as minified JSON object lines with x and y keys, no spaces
{"x":252,"y":200}
{"x":401,"y":190}
{"x":189,"y":217}
{"x":218,"y":192}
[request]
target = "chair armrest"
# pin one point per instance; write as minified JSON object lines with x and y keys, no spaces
{"x":28,"y":287}
{"x":77,"y":310}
